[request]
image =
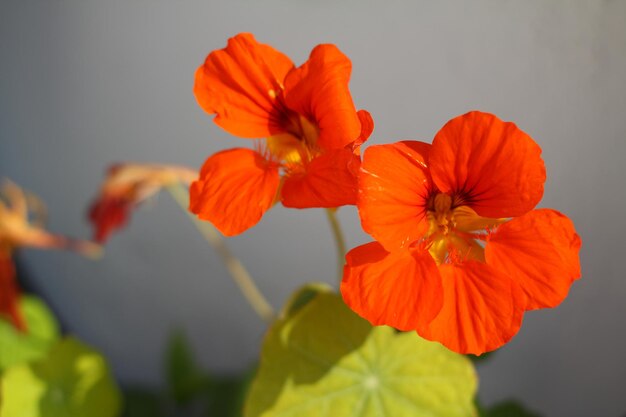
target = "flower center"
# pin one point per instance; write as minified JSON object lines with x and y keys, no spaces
{"x":455,"y":231}
{"x":296,"y":146}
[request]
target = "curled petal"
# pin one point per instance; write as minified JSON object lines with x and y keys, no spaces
{"x":482,"y":309}
{"x":540,"y":252}
{"x":367,"y":127}
{"x":401,"y":289}
{"x":318,"y":90}
{"x":492,"y":165}
{"x":236,"y":187}
{"x":240,"y":84}
{"x":394,"y":185}
{"x":327,"y":181}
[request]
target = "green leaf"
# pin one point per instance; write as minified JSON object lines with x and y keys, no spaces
{"x":509,"y":408}
{"x":324,"y":360}
{"x":17,"y":347}
{"x":72,"y":381}
{"x":184,"y":377}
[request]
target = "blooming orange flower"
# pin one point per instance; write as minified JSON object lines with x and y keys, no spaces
{"x":460,"y":252}
{"x":126,"y":186}
{"x":18,"y":228}
{"x":306,"y":115}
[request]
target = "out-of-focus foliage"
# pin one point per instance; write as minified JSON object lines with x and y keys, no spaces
{"x":321,"y":359}
{"x":213,"y":395}
{"x":184,"y":377}
{"x":142,"y":403}
{"x":477,"y":360}
{"x":17,"y":347}
{"x":72,"y":380}
{"x":509,"y":408}
{"x":191,"y":391}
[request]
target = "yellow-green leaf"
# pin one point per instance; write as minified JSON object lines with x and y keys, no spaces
{"x":72,"y":381}
{"x":324,"y":360}
{"x":43,"y":330}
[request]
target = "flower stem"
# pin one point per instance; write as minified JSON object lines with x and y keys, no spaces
{"x":340,"y":242}
{"x":237,"y":271}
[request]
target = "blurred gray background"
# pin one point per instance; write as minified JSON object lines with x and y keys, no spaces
{"x":87,"y":83}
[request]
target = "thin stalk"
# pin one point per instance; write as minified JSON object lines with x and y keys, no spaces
{"x":237,"y":271}
{"x":340,"y":242}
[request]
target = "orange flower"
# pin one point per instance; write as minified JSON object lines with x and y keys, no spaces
{"x":306,"y":115}
{"x":460,"y":252}
{"x":126,"y":186}
{"x":17,"y":229}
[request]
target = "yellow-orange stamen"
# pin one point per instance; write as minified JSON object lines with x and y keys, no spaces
{"x":450,"y":237}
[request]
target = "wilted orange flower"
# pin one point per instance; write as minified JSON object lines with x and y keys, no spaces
{"x":306,"y":115}
{"x":460,"y":252}
{"x":17,"y":230}
{"x":125,"y":187}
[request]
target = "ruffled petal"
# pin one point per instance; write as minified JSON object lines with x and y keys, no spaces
{"x":240,"y":84}
{"x":401,"y":289}
{"x":9,"y":294}
{"x":327,"y":181}
{"x":540,"y":252}
{"x":394,"y":186}
{"x":367,"y":127}
{"x":318,"y":90}
{"x":482,"y":308}
{"x":493,"y":166}
{"x":236,"y":187}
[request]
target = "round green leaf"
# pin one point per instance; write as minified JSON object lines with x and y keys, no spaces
{"x":43,"y":330}
{"x":324,"y":360}
{"x":72,"y":381}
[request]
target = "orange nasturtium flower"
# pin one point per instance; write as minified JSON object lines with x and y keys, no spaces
{"x":460,"y":252}
{"x":311,"y":128}
{"x":21,"y":225}
{"x":126,"y":186}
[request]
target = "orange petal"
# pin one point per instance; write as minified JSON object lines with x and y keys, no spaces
{"x":9,"y":294}
{"x":394,"y":185}
{"x":540,"y":252}
{"x":236,"y":187}
{"x":401,"y":289}
{"x":482,"y":309}
{"x":492,"y":165}
{"x":329,"y":180}
{"x":318,"y":90}
{"x":240,"y":84}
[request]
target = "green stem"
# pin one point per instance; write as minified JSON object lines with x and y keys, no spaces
{"x":339,"y":240}
{"x":237,"y":271}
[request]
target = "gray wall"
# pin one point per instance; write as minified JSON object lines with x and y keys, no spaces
{"x":85,"y":83}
